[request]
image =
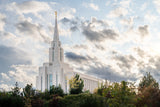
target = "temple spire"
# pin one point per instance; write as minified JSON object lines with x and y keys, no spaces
{"x":56,"y":35}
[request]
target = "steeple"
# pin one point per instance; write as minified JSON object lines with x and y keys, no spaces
{"x":56,"y":35}
{"x":56,"y":51}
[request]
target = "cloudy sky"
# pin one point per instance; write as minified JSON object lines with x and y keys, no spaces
{"x":110,"y":39}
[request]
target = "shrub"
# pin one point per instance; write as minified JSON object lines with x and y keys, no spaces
{"x":37,"y":103}
{"x":120,"y":95}
{"x":56,"y":90}
{"x":82,"y":100}
{"x":7,"y":100}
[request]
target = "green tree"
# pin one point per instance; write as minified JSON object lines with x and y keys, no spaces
{"x":120,"y":94}
{"x":46,"y":95}
{"x":82,"y":100}
{"x":76,"y":85}
{"x":147,"y":81}
{"x":16,"y":90}
{"x":28,"y":93}
{"x":8,"y":100}
{"x":100,"y":89}
{"x":56,"y":90}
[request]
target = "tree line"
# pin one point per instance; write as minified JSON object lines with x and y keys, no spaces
{"x":123,"y":94}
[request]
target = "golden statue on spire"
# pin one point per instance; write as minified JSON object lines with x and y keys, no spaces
{"x":56,"y":14}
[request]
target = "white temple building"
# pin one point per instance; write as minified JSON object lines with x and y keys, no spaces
{"x":57,"y":72}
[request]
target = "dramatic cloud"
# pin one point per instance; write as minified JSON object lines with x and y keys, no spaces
{"x":10,"y":56}
{"x":143,"y":30}
{"x":125,"y":61}
{"x":6,"y":35}
{"x":74,"y":57}
{"x":140,"y":52}
{"x":65,"y":20}
{"x":72,"y":23}
{"x":153,"y":66}
{"x":108,"y":73}
{"x":99,"y":22}
{"x":99,"y":47}
{"x":98,"y":36}
{"x":112,"y":47}
{"x":74,"y":28}
{"x":98,"y":30}
{"x":33,"y":30}
{"x":88,"y":29}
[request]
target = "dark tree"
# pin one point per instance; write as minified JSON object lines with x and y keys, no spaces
{"x":28,"y":93}
{"x":56,"y":90}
